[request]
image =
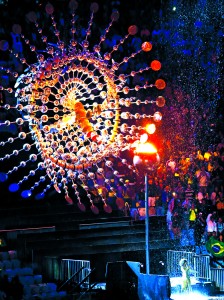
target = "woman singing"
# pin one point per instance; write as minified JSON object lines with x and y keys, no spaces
{"x":185,"y":269}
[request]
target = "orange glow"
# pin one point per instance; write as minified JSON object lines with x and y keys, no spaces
{"x":146,"y":148}
{"x":150,"y":128}
{"x":160,"y":84}
{"x":132,"y":30}
{"x":156,"y":65}
{"x":157,"y":117}
{"x":160,"y":101}
{"x":146,"y":46}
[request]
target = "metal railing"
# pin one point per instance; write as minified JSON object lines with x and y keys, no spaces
{"x":200,"y":264}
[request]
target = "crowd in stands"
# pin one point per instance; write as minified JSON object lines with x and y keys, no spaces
{"x":189,"y":192}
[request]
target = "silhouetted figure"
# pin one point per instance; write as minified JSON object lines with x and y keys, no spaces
{"x":16,"y":289}
{"x":5,"y":287}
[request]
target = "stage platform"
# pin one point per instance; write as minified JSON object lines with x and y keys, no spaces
{"x":99,"y":292}
{"x":201,"y":290}
{"x":197,"y":296}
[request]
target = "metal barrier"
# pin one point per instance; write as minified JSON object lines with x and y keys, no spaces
{"x":173,"y":258}
{"x":199,"y":263}
{"x":69,"y":267}
{"x":217,"y":275}
{"x":202,"y":267}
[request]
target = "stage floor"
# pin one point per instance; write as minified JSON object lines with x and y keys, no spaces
{"x":196,"y":296}
{"x":201,"y":290}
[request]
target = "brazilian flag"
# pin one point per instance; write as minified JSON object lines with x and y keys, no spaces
{"x":215,"y":247}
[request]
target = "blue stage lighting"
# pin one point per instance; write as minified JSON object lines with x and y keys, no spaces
{"x":39,"y":196}
{"x":14,"y":187}
{"x":3,"y":177}
{"x":26,"y":193}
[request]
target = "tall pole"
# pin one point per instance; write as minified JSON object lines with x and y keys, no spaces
{"x":147,"y":226}
{"x":146,"y":157}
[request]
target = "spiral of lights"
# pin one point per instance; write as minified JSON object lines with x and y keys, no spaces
{"x":78,"y":107}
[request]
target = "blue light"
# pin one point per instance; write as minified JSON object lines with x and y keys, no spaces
{"x":14,"y":187}
{"x":26,"y":193}
{"x":198,"y":24}
{"x":39,"y":196}
{"x":3,"y":177}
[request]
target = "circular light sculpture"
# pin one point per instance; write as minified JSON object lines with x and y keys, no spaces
{"x":77,"y":105}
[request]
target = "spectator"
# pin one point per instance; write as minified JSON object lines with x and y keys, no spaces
{"x":5,"y":286}
{"x":199,"y":156}
{"x":220,"y":237}
{"x":219,"y":205}
{"x":152,"y":194}
{"x":169,"y":215}
{"x":111,"y":195}
{"x":171,"y":165}
{"x":199,"y":228}
{"x":129,"y":193}
{"x":187,"y":203}
{"x":202,"y":207}
{"x":193,"y":211}
{"x":208,"y":154}
{"x":189,"y":193}
{"x":211,"y":225}
{"x":120,"y":189}
{"x":203,"y":178}
{"x":180,"y":190}
{"x":100,"y":179}
{"x":220,"y":225}
{"x":173,"y":202}
{"x":217,"y":176}
{"x":213,"y":199}
{"x":165,"y":197}
{"x":176,"y":225}
{"x":185,"y":227}
{"x":16,"y":289}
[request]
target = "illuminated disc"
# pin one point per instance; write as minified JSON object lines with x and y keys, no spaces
{"x":14,"y":187}
{"x":94,"y":209}
{"x":26,"y":194}
{"x":81,"y":206}
{"x":3,"y":177}
{"x":107,"y":208}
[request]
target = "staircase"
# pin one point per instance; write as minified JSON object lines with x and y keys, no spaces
{"x":101,"y":236}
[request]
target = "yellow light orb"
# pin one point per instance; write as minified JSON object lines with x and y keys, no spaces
{"x":150,"y":128}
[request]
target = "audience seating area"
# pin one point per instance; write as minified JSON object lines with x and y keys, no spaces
{"x":33,"y":284}
{"x":49,"y":239}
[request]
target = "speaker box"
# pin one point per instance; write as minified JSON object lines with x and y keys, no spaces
{"x":121,"y":280}
{"x":125,"y":281}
